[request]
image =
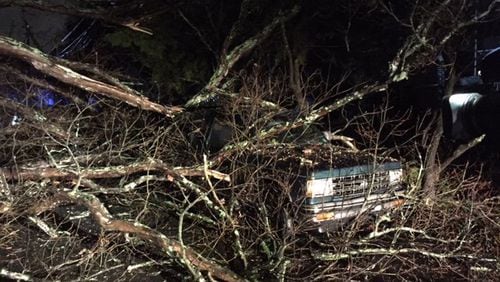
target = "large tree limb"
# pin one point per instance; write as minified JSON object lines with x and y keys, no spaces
{"x":40,"y":172}
{"x":59,"y":69}
{"x":229,"y":60}
{"x":98,"y":12}
{"x":115,"y":14}
{"x":42,"y":84}
{"x":170,"y":246}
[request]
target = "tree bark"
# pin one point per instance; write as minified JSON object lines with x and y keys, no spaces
{"x":58,"y":69}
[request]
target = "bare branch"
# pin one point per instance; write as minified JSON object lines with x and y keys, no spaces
{"x":392,"y":252}
{"x":35,"y":173}
{"x":15,"y":275}
{"x":377,"y":234}
{"x":227,"y":63}
{"x":311,"y":117}
{"x":107,"y":14}
{"x":42,"y":84}
{"x":460,"y":151}
{"x":168,"y":246}
{"x":57,"y":68}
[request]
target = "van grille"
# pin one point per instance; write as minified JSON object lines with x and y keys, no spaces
{"x":347,"y":188}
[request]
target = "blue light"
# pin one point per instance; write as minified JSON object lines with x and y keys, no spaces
{"x":47,"y":99}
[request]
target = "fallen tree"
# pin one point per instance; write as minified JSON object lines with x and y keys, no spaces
{"x":117,"y":188}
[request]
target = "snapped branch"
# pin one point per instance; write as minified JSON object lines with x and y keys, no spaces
{"x":59,"y":69}
{"x":40,"y":172}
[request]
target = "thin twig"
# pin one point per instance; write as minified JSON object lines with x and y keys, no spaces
{"x":385,"y":252}
{"x":460,"y":151}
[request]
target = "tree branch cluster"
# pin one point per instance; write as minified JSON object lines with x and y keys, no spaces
{"x":132,"y":171}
